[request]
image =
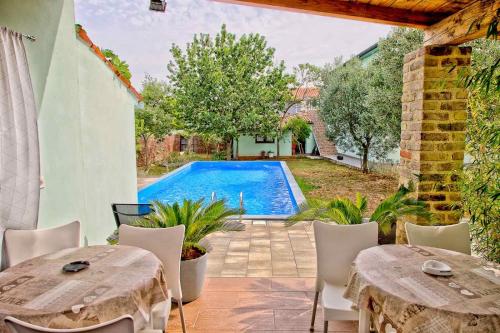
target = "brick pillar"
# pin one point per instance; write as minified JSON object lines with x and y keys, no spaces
{"x":433,"y":127}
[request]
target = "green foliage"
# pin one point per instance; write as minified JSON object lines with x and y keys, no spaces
{"x":345,"y":211}
{"x":386,"y":79}
{"x":199,"y":219}
{"x":486,"y":77}
{"x":362,"y":104}
{"x":300,"y":130}
{"x":156,"y":118}
{"x":480,"y":180}
{"x":120,"y":65}
{"x":351,"y":123}
{"x":228,"y":86}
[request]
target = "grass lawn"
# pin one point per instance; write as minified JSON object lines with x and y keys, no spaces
{"x":321,"y":179}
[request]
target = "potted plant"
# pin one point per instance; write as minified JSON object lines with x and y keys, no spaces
{"x":270,"y":154}
{"x":200,"y":221}
{"x":345,"y":211}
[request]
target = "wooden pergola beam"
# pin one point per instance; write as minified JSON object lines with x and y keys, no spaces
{"x":351,"y":10}
{"x":468,"y":24}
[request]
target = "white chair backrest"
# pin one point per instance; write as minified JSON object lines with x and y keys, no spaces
{"x":21,"y":245}
{"x":165,"y":243}
{"x":454,"y":237}
{"x":124,"y":324}
{"x":337,"y":246}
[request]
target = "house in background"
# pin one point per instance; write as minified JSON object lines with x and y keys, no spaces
{"x":85,"y":119}
{"x":252,"y":147}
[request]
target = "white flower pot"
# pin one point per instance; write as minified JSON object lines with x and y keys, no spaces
{"x":193,"y":277}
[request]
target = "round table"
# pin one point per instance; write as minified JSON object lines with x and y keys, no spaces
{"x":120,"y":280}
{"x":387,"y":281}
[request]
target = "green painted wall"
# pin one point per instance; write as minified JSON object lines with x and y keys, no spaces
{"x":248,"y":147}
{"x":87,"y":160}
{"x":107,"y":141}
{"x":310,"y":143}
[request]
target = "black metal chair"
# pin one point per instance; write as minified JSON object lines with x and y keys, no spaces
{"x":129,"y":213}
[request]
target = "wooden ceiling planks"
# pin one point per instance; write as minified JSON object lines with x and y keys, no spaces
{"x":360,"y":10}
{"x":444,"y":21}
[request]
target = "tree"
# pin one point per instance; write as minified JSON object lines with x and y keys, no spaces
{"x":300,"y":131}
{"x":228,"y":86}
{"x":351,"y":123}
{"x":120,"y":65}
{"x":386,"y":80}
{"x":156,"y":118}
{"x":480,"y":179}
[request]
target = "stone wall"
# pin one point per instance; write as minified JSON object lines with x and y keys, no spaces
{"x":433,"y":127}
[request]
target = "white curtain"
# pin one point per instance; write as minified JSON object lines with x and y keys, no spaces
{"x":19,"y":151}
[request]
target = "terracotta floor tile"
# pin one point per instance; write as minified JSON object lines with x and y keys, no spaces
{"x":275,"y":300}
{"x":259,"y":272}
{"x":239,"y":284}
{"x":300,"y":320}
{"x":293,"y":284}
{"x":235,"y":319}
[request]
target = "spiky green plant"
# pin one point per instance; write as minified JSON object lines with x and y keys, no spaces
{"x":345,"y":211}
{"x":396,"y":206}
{"x":199,"y":219}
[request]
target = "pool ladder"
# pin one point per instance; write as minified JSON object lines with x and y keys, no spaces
{"x":214,"y":198}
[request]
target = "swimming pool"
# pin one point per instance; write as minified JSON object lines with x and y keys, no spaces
{"x":268,"y":187}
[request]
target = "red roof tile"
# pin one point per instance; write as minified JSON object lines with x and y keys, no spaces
{"x":305,"y":93}
{"x":85,"y":39}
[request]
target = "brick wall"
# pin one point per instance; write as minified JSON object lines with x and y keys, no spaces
{"x":433,"y":127}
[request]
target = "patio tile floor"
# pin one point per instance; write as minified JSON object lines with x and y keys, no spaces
{"x":254,"y":305}
{"x":259,"y":280}
{"x":263,"y":249}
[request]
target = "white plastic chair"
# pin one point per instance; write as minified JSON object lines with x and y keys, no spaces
{"x":166,"y":244}
{"x":455,"y":237}
{"x":336,"y":248}
{"x":21,"y":245}
{"x":124,"y":324}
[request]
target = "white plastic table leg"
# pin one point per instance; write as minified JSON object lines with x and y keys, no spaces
{"x":364,"y":321}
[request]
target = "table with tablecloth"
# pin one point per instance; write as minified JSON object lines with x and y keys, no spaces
{"x":120,"y":280}
{"x":388,"y":282}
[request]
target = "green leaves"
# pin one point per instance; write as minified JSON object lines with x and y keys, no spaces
{"x":345,"y":211}
{"x":228,"y":86}
{"x":361,"y":103}
{"x":120,"y":65}
{"x":199,"y":219}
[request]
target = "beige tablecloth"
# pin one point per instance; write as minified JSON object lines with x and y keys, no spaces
{"x":388,"y":281}
{"x":120,"y":280}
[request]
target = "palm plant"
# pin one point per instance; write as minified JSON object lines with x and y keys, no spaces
{"x":199,"y":219}
{"x":345,"y":211}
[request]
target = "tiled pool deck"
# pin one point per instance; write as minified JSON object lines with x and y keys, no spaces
{"x":259,"y":280}
{"x":264,"y":249}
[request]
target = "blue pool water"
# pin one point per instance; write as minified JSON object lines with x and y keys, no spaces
{"x":264,"y":185}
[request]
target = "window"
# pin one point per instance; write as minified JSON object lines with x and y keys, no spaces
{"x":264,"y":139}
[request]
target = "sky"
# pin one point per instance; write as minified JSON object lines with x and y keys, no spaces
{"x":143,"y":38}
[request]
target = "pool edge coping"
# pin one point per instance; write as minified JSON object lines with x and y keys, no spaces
{"x":299,"y":197}
{"x":167,"y":175}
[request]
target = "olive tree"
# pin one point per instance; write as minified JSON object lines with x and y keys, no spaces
{"x":350,"y":122}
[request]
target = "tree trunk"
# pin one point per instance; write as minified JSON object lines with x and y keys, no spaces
{"x":278,"y":147}
{"x":228,"y":149}
{"x":364,"y":162}
{"x":237,"y":154}
{"x":145,"y":140}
